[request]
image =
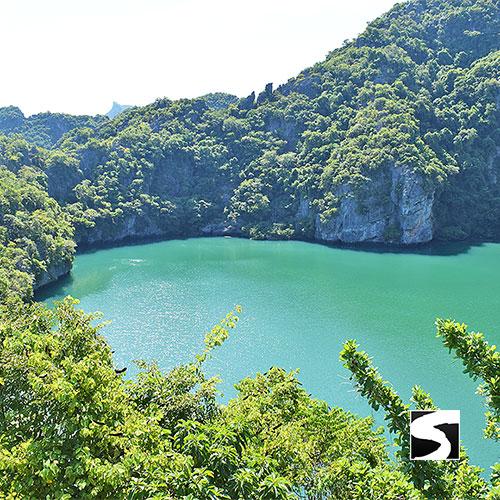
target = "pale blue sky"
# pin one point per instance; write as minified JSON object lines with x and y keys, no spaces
{"x":77,"y":56}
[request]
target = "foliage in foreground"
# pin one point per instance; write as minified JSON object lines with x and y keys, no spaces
{"x":454,"y":479}
{"x":71,"y":425}
{"x":481,"y":361}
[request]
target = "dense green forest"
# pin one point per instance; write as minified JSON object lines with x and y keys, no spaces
{"x":393,"y":138}
{"x":43,"y":129}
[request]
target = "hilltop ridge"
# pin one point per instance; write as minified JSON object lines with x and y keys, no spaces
{"x":393,"y":138}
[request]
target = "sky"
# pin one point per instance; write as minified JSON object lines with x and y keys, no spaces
{"x":78,"y":56}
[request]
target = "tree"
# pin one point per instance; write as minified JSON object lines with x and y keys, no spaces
{"x":457,"y":479}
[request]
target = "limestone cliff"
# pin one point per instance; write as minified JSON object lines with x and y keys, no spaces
{"x":53,"y":273}
{"x":395,"y":207}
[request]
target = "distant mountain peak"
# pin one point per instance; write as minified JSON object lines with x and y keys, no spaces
{"x":116,"y":109}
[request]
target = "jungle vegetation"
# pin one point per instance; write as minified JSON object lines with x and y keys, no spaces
{"x":419,"y":88}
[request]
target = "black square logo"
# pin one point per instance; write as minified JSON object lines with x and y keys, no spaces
{"x":435,"y":435}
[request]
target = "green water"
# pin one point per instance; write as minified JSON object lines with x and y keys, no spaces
{"x":301,"y":301}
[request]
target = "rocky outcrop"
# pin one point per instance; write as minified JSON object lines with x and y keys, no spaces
{"x":414,"y":198}
{"x":126,"y":228}
{"x":53,"y":273}
{"x":266,"y":94}
{"x":396,"y":207}
{"x":247,"y":102}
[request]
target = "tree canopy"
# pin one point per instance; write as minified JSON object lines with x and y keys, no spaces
{"x":395,"y":130}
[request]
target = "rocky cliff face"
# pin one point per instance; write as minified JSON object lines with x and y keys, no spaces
{"x":395,"y":207}
{"x":52,"y":274}
{"x":128,"y":227}
{"x":414,"y":199}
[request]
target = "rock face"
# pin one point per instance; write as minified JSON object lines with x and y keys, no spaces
{"x":53,"y":273}
{"x":266,"y":94}
{"x":116,"y":109}
{"x":220,"y":229}
{"x":128,"y":227}
{"x":415,"y":202}
{"x":396,"y":207}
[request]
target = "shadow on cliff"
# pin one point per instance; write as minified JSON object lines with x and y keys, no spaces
{"x":66,"y":284}
{"x":57,"y":288}
{"x":439,"y":248}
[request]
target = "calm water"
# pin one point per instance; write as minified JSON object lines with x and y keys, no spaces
{"x":301,"y":301}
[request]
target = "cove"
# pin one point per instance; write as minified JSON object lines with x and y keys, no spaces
{"x":300,"y":302}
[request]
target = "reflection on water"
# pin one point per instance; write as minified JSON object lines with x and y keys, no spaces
{"x":301,"y":301}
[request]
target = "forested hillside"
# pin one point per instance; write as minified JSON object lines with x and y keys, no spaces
{"x":43,"y":129}
{"x":390,"y":139}
{"x":393,"y":138}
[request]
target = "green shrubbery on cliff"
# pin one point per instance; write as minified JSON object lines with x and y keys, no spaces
{"x":418,"y":92}
{"x":36,"y":237}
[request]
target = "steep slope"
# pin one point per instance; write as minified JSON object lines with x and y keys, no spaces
{"x":372,"y":144}
{"x":393,"y":138}
{"x":36,"y":237}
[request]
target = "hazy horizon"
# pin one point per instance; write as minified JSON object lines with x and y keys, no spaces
{"x":89,"y":54}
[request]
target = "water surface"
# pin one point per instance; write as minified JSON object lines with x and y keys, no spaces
{"x":301,"y":301}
